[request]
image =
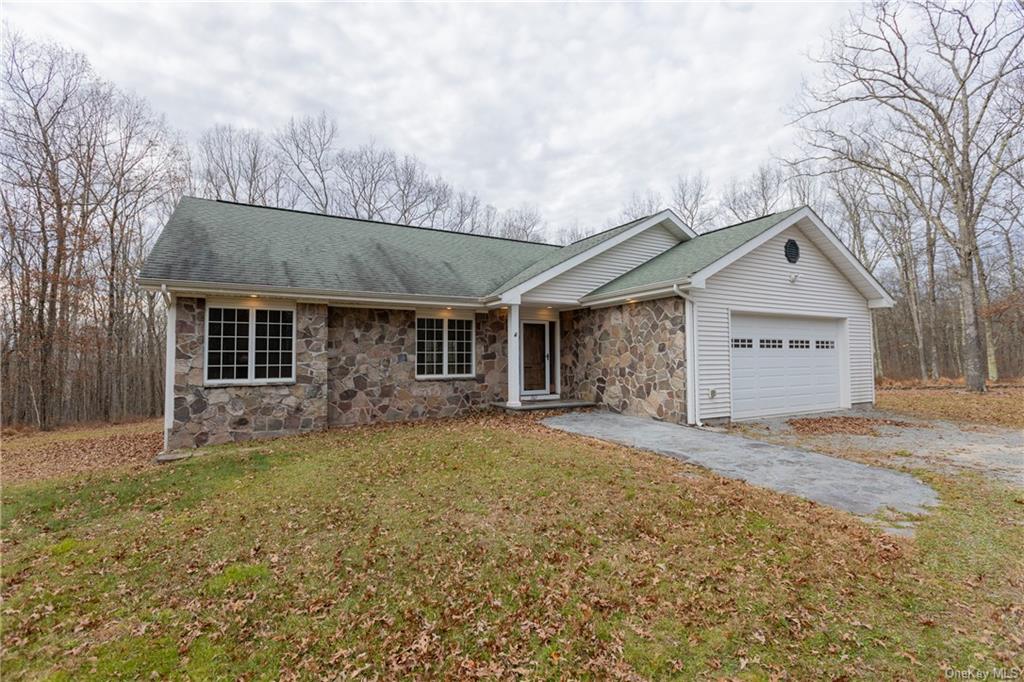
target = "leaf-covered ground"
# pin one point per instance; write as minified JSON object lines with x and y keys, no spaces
{"x":999,"y":406}
{"x":490,"y":547}
{"x":40,"y":455}
{"x":858,"y":426}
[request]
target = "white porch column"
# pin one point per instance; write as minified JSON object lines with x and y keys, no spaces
{"x":514,"y":363}
{"x":172,"y":317}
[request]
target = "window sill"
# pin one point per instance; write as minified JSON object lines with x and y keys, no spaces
{"x":250,"y":384}
{"x":446,"y":377}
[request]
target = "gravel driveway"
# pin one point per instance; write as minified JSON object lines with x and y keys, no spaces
{"x":927,"y":443}
{"x":851,"y":486}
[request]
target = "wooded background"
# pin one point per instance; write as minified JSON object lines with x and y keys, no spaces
{"x":911,"y":149}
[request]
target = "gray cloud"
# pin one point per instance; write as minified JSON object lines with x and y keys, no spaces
{"x":568,"y":107}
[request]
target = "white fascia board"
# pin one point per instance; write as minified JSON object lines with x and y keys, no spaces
{"x":675,"y":225}
{"x":360,"y":298}
{"x":640,"y":293}
{"x":623,"y":300}
{"x":699,"y":278}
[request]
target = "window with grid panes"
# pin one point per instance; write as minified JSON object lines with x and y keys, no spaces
{"x":460,"y":347}
{"x":429,"y":347}
{"x":444,"y":347}
{"x":273,"y":344}
{"x":227,"y":344}
{"x":249,"y":345}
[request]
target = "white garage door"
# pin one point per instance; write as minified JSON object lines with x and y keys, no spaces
{"x":783,"y":365}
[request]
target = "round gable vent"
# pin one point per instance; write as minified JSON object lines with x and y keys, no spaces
{"x":792,"y":251}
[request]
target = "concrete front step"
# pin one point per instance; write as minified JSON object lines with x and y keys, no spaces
{"x":544,"y":405}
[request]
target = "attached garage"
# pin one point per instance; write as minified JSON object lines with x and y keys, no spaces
{"x":784,"y":365}
{"x":778,"y":317}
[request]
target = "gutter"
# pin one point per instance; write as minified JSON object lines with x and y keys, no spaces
{"x":667,"y":287}
{"x":692,"y":406}
{"x":317,"y":295}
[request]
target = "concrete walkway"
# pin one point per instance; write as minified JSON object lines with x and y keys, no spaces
{"x":857,"y":488}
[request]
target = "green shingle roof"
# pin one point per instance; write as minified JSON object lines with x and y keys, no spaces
{"x":565,"y":253}
{"x":223,"y":242}
{"x":692,"y":256}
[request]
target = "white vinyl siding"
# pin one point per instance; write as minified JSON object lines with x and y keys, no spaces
{"x":760,"y":282}
{"x":570,"y":286}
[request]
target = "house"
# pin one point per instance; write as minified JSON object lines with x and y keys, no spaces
{"x":282,"y":321}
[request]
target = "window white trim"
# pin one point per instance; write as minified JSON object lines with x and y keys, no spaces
{"x":251,"y":307}
{"x":444,"y":348}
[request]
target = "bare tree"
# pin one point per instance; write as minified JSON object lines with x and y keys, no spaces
{"x":895,"y":225}
{"x":84,"y":172}
{"x":933,"y":107}
{"x":691,"y":200}
{"x":573,"y":232}
{"x":852,"y":192}
{"x":307,"y":147}
{"x":641,"y":205}
{"x":759,"y":194}
{"x":523,"y":223}
{"x":416,"y":198}
{"x":240,"y":164}
{"x":366,"y":174}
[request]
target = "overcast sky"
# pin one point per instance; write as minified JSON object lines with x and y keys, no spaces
{"x":569,"y":108}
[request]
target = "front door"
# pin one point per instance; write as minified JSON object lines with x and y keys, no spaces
{"x":535,"y":357}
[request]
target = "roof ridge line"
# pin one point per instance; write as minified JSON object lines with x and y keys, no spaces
{"x":750,"y":220}
{"x":609,"y":229}
{"x":367,"y":220}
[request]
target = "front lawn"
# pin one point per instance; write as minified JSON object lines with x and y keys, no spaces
{"x":490,"y":547}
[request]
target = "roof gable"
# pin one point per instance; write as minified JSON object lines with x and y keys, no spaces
{"x":696,"y":260}
{"x":691,"y":256}
{"x":574,"y":254}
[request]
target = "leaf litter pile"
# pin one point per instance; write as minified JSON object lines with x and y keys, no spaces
{"x":47,"y":455}
{"x":484,"y":547}
{"x":858,"y":426}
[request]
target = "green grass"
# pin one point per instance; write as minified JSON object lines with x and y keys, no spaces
{"x":489,"y":547}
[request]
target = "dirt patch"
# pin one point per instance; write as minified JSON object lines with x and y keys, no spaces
{"x":67,"y":457}
{"x":858,"y":426}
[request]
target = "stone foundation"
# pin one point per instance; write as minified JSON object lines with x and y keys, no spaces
{"x":372,"y":369}
{"x":629,"y":358}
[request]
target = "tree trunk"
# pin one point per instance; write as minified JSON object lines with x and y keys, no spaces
{"x":986,"y":319}
{"x":974,"y":374}
{"x":915,"y":318}
{"x":933,"y":304}
{"x":879,"y":372}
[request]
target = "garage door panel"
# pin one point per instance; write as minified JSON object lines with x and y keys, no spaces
{"x":784,"y":365}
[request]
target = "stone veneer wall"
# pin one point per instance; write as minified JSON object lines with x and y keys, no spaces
{"x":630,"y":358}
{"x":372,"y":368}
{"x":353,"y":366}
{"x":208,"y":415}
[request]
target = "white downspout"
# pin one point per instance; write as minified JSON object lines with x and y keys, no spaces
{"x":171,"y":303}
{"x":692,"y":408}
